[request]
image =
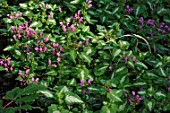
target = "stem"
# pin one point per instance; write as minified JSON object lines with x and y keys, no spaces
{"x":128,"y":35}
{"x":9,"y":103}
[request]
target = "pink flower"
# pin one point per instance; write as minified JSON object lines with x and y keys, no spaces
{"x":6,"y":69}
{"x":81,"y":83}
{"x":64,"y":28}
{"x":61,"y":49}
{"x":83,"y":91}
{"x":13,"y":28}
{"x":11,"y":69}
{"x":20,"y":73}
{"x":37,"y":79}
{"x":49,"y":62}
{"x":32,"y":79}
{"x":45,"y":39}
{"x":80,"y":20}
{"x":89,"y":81}
{"x":87,"y":42}
{"x":58,"y":59}
{"x":27,"y":71}
{"x":60,"y":9}
{"x":110,"y":67}
{"x":109,"y":90}
{"x":72,"y":27}
{"x":41,"y":34}
{"x":134,"y":59}
{"x":133,"y":93}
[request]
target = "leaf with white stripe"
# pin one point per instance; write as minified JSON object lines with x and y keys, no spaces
{"x":72,"y":98}
{"x":114,"y":96}
{"x":141,"y":64}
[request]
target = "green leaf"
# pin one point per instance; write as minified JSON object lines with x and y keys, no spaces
{"x":30,"y":98}
{"x":10,"y":95}
{"x":130,"y":64}
{"x":121,"y":71}
{"x":51,"y":21}
{"x":52,"y":72}
{"x":9,"y":48}
{"x":160,"y":94}
{"x":86,"y":58}
{"x":141,"y":64}
{"x":149,"y":104}
{"x":28,"y":13}
{"x":137,"y":10}
{"x":87,"y":18}
{"x":115,"y":53}
{"x":100,"y":70}
{"x":53,"y":108}
{"x":23,"y":5}
{"x":1,"y":103}
{"x":2,"y":68}
{"x":73,"y":55}
{"x":18,"y":52}
{"x":36,"y":24}
{"x":161,"y":72}
{"x":113,"y":95}
{"x":115,"y":10}
{"x":72,"y":98}
{"x":105,"y":109}
{"x":46,"y":93}
{"x":75,"y":2}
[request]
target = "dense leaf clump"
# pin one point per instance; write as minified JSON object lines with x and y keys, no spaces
{"x":79,"y":56}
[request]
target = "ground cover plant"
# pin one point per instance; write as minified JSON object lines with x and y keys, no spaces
{"x":79,"y":56}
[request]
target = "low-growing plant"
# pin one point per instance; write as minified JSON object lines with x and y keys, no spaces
{"x":74,"y":64}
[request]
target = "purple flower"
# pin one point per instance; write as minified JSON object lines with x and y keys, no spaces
{"x":87,"y":42}
{"x":80,"y":20}
{"x":13,"y":28}
{"x":37,"y":79}
{"x":64,"y":28}
{"x":89,"y":3}
{"x":110,"y":67}
{"x":163,"y":31}
{"x":83,"y":91}
{"x":141,"y":20}
{"x":89,"y":81}
{"x":126,"y":58}
{"x":138,"y":99}
{"x":20,"y":28}
{"x":61,"y":49}
{"x":44,"y":49}
{"x":125,"y":94}
{"x":45,"y":39}
{"x":27,"y":71}
{"x":169,"y":35}
{"x":133,"y":93}
{"x":58,"y":59}
{"x":49,"y":62}
{"x":41,"y":34}
{"x":6,"y":69}
{"x":80,"y":42}
{"x":81,"y":83}
{"x":38,"y":41}
{"x":53,"y":51}
{"x":131,"y":101}
{"x":11,"y":69}
{"x":169,"y":77}
{"x":36,"y":49}
{"x":134,"y":58}
{"x":14,"y":36}
{"x":72,"y":28}
{"x":32,"y":79}
{"x":58,"y":54}
{"x":55,"y":45}
{"x":168,"y":89}
{"x":109,"y":89}
{"x":166,"y":27}
{"x":20,"y":73}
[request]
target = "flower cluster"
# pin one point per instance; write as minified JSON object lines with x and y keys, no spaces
{"x":43,"y":7}
{"x":141,"y":20}
{"x":26,"y":76}
{"x":163,"y":29}
{"x":57,"y":52}
{"x":82,"y":83}
{"x":6,"y":64}
{"x":14,"y":16}
{"x":128,"y":9}
{"x":88,"y":2}
{"x":22,"y":27}
{"x":77,"y":17}
{"x":150,"y":23}
{"x":134,"y":99}
{"x":66,"y":27}
{"x":127,"y":57}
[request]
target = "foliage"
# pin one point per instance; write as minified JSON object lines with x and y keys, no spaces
{"x":92,"y":56}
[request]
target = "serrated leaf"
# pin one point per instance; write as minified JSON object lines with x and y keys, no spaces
{"x":72,"y":98}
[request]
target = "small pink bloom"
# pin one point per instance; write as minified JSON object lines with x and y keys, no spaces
{"x":13,"y":28}
{"x":38,"y":41}
{"x":32,"y":79}
{"x":133,"y":93}
{"x":20,"y":73}
{"x":89,"y":81}
{"x":83,"y":91}
{"x":14,"y":36}
{"x":27,"y":71}
{"x":61,"y":49}
{"x":49,"y":62}
{"x":11,"y":69}
{"x":41,"y":34}
{"x":72,"y":27}
{"x":134,"y":59}
{"x":80,"y":20}
{"x":110,"y":67}
{"x":6,"y":69}
{"x":37,"y":79}
{"x":58,"y":59}
{"x":60,"y":9}
{"x":45,"y":39}
{"x":64,"y":28}
{"x":109,"y":89}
